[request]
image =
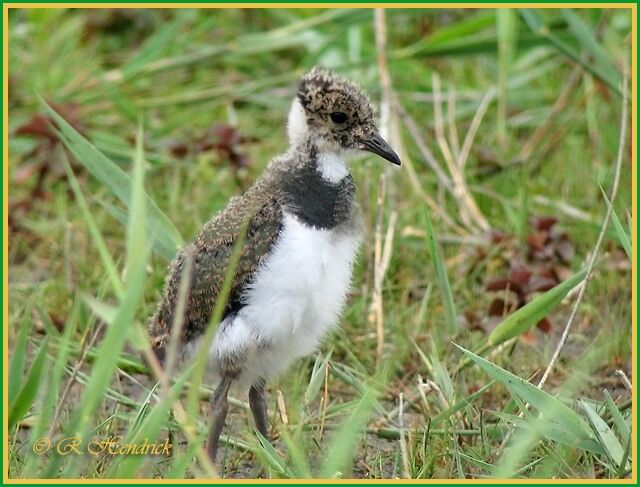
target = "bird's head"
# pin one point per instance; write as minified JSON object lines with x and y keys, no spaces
{"x":336,"y":115}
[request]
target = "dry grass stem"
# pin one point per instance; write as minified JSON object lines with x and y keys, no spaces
{"x":603,"y":229}
{"x":469,"y":211}
{"x":282,"y":408}
{"x":178,"y":319}
{"x":451,"y":118}
{"x":426,"y":153}
{"x":560,"y":104}
{"x":377,"y":310}
{"x":406,"y":472}
{"x":473,"y":128}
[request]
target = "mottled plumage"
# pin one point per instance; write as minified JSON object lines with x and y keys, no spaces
{"x":295,"y":265}
{"x":291,"y":184}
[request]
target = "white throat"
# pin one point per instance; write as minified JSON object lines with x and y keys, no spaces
{"x":332,"y":167}
{"x":297,"y":128}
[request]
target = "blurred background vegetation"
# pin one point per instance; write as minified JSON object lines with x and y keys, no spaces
{"x":508,"y":123}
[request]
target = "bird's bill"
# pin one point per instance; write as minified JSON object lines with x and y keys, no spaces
{"x":376,"y":144}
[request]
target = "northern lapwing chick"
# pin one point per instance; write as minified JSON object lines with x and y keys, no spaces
{"x":294,"y":269}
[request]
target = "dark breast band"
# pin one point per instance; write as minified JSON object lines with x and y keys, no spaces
{"x":317,"y":202}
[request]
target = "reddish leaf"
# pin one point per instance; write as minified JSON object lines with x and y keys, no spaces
{"x":226,"y":135}
{"x":240,"y":160}
{"x":177,"y":148}
{"x":498,"y":284}
{"x":41,"y":126}
{"x":497,"y":307}
{"x":497,"y":237}
{"x":545,"y":325}
{"x":520,"y":275}
{"x":537,"y":240}
{"x":543,"y":223}
{"x":38,"y":126}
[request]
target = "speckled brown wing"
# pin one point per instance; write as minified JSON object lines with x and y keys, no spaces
{"x":212,"y":250}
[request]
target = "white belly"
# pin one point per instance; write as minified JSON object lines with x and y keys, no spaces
{"x":295,"y":299}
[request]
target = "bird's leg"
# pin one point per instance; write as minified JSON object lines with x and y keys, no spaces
{"x":219,"y":407}
{"x":258,"y":406}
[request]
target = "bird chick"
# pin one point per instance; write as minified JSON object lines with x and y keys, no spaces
{"x":303,"y":229}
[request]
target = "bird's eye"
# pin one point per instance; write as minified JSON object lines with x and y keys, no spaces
{"x":338,"y":117}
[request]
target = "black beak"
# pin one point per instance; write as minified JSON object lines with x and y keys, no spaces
{"x":378,"y":145}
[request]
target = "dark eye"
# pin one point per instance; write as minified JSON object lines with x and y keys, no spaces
{"x":338,"y":117}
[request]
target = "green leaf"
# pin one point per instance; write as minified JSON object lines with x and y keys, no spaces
{"x":536,"y":24}
{"x":524,"y":318}
{"x":623,"y":428}
{"x":604,"y":434}
{"x":108,"y":352}
{"x":585,"y":36}
{"x":463,"y":403}
{"x":317,"y":378}
{"x":343,"y":444}
{"x":270,"y":458}
{"x":507,"y":27}
{"x":549,"y":431}
{"x":441,"y":272}
{"x":16,"y":367}
{"x":101,"y":246}
{"x":178,"y":468}
{"x":623,"y":236}
{"x":102,"y":310}
{"x":298,"y":458}
{"x":51,"y":393}
{"x":554,"y":415}
{"x":143,"y":410}
{"x":461,"y":29}
{"x":148,"y":429}
{"x":152,"y":49}
{"x":27,"y":394}
{"x":119,"y":183}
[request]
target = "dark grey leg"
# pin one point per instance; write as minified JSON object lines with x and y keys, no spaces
{"x":219,"y":407}
{"x":258,"y":406}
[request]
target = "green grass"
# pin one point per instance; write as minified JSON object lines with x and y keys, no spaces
{"x":88,"y":252}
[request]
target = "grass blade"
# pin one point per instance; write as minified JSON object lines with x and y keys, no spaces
{"x":317,"y":378}
{"x":152,"y":49}
{"x":117,"y":333}
{"x":148,"y":428}
{"x":343,"y":444}
{"x":621,"y":425}
{"x":48,"y":420}
{"x":297,"y":456}
{"x":16,"y":367}
{"x":623,"y":236}
{"x":271,"y":459}
{"x":443,"y":280}
{"x":29,"y":389}
{"x":451,"y":33}
{"x":524,"y":318}
{"x":105,"y":257}
{"x":556,"y":415}
{"x":587,"y":40}
{"x":605,"y":435}
{"x":507,"y":27}
{"x":460,"y":405}
{"x":118,"y":182}
{"x":536,"y":24}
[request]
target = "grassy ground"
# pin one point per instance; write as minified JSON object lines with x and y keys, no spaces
{"x":523,"y":122}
